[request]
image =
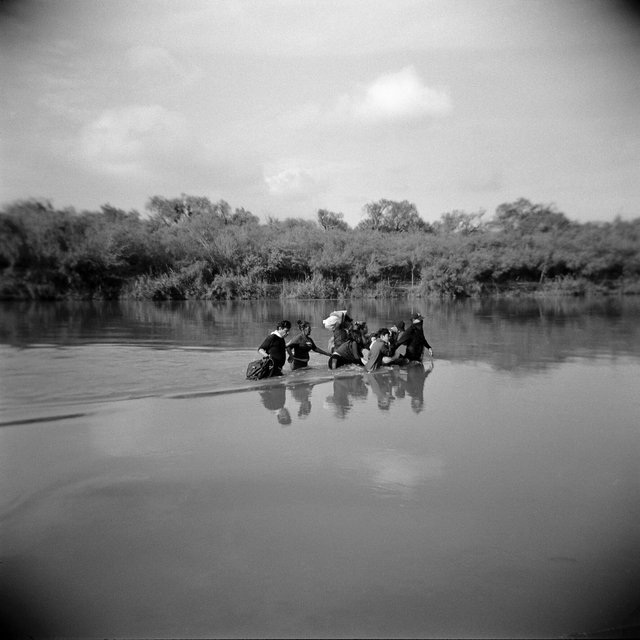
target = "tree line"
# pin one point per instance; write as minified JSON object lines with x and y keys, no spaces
{"x":191,"y":248}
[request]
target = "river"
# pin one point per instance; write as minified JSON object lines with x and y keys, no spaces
{"x":150,"y":490}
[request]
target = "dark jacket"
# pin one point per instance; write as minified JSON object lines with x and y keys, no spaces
{"x":274,"y":345}
{"x":414,"y":338}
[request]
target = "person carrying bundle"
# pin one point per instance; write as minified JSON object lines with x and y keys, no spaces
{"x":345,"y":347}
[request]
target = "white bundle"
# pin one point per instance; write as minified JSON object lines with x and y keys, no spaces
{"x":334,"y":319}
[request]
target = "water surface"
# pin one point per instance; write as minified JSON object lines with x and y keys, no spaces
{"x":148,"y":489}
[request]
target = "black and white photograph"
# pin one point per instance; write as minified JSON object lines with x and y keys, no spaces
{"x":319,"y":319}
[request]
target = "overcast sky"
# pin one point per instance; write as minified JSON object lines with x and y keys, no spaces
{"x":285,"y":106}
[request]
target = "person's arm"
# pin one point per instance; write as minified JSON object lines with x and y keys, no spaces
{"x":427,"y":345}
{"x":403,"y":338}
{"x":317,"y":349}
{"x":263,"y":349}
{"x":289,"y":348}
{"x":372,"y":363}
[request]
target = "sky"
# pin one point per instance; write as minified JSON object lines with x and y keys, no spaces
{"x":285,"y":107}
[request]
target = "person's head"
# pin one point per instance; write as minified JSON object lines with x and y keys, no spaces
{"x":416,"y":318}
{"x":284,"y":417}
{"x":304,"y":327}
{"x":283,"y":328}
{"x":383,"y":334}
{"x":400,"y":326}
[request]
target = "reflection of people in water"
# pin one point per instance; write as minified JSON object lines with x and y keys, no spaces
{"x":274,"y":399}
{"x":302,"y":393}
{"x":381,"y":383}
{"x":343,"y":389}
{"x":416,"y":376}
{"x":387,"y":383}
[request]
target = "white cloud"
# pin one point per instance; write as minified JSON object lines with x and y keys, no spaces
{"x":128,"y":139}
{"x":290,"y":181}
{"x":297,"y":178}
{"x":395,"y":96}
{"x":392,"y":97}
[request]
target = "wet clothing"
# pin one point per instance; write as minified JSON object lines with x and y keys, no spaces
{"x":414,"y":338}
{"x":340,"y":336}
{"x":300,"y":348}
{"x":275,"y":346}
{"x":379,"y":349}
{"x":346,"y":346}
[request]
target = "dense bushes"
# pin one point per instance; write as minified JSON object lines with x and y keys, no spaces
{"x":189,"y":247}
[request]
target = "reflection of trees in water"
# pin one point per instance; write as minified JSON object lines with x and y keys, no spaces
{"x":525,"y":334}
{"x":236,"y":325}
{"x":532,"y":334}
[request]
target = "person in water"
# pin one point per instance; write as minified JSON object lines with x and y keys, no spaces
{"x":347,"y":347}
{"x":415,"y":340}
{"x":379,"y":351}
{"x":275,"y":347}
{"x":396,"y":331}
{"x":300,"y":347}
{"x":382,"y":352}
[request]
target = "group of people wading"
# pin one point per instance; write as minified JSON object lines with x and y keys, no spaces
{"x":351,"y":343}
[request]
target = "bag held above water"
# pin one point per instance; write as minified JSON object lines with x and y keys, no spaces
{"x":334,"y":319}
{"x":259,"y":369}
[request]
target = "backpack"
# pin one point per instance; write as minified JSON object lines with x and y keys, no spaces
{"x":259,"y":369}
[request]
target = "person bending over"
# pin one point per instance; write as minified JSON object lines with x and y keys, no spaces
{"x":414,"y":340}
